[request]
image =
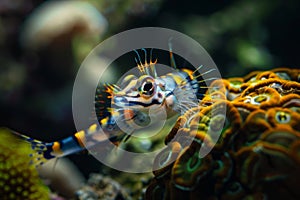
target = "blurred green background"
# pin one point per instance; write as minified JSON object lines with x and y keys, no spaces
{"x":43,"y":43}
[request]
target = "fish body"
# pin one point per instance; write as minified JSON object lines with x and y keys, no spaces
{"x":135,"y":104}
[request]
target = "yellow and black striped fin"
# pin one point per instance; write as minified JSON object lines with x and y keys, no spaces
{"x":38,"y":147}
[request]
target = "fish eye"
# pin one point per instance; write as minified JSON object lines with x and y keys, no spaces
{"x":147,"y":88}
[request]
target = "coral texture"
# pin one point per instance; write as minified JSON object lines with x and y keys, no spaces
{"x":100,"y":187}
{"x":242,"y":142}
{"x":18,"y":179}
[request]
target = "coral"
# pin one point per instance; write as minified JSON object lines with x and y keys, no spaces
{"x":135,"y":183}
{"x":18,"y":179}
{"x":100,"y":187}
{"x":241,"y":143}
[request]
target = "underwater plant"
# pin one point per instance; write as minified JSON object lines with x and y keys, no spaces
{"x":257,"y":152}
{"x":18,"y":179}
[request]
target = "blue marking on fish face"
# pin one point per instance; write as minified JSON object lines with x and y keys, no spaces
{"x":120,"y":101}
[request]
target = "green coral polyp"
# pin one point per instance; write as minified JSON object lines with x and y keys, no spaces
{"x":18,"y":179}
{"x":283,"y":117}
{"x":193,"y":163}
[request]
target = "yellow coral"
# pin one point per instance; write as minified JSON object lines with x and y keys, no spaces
{"x":18,"y":179}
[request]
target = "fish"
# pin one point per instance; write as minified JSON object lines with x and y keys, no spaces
{"x":135,"y":104}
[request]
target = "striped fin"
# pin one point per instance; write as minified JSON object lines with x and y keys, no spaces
{"x":103,"y":99}
{"x":39,"y":148}
{"x":43,"y":151}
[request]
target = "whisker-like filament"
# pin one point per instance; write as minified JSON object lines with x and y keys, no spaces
{"x":208,"y":71}
{"x":198,"y":68}
{"x":205,"y":87}
{"x":139,"y":57}
{"x":139,"y":62}
{"x":151,"y":50}
{"x":172,"y":59}
{"x":208,"y":79}
{"x":146,"y":62}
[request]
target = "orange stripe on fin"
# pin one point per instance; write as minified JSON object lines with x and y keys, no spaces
{"x":92,"y":128}
{"x":56,"y":148}
{"x":80,"y":138}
